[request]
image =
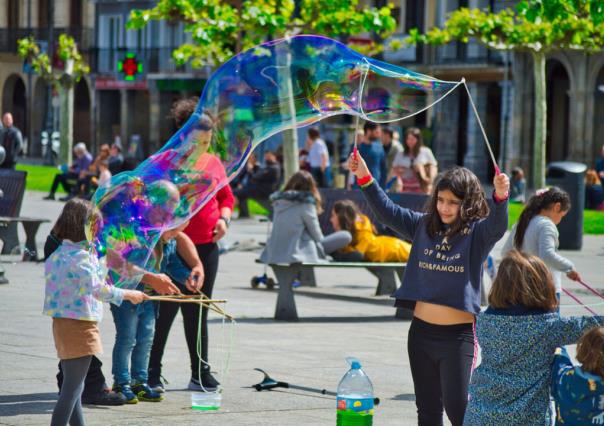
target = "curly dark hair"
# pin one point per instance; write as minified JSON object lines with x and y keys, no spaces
{"x":542,"y":200}
{"x":182,"y":109}
{"x":590,"y":351}
{"x":464,"y":185}
{"x":72,"y":221}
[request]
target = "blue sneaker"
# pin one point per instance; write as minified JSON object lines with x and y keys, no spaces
{"x":145,"y":393}
{"x":126,"y":392}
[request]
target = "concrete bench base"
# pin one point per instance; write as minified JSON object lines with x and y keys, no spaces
{"x":286,"y":274}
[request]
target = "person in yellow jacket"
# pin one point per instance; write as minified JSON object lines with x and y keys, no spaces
{"x":345,"y":216}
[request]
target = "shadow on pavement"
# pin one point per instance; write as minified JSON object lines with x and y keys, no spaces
{"x":404,"y":397}
{"x":31,"y":403}
{"x":364,"y":319}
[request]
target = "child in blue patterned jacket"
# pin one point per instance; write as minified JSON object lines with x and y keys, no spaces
{"x":518,"y":334}
{"x":75,"y":292}
{"x":579,"y":391}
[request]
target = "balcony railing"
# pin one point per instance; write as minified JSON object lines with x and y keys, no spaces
{"x":154,"y":60}
{"x":84,"y":37}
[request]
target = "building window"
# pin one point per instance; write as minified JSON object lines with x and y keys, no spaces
{"x":75,"y":13}
{"x":42,"y":13}
{"x":12,"y":14}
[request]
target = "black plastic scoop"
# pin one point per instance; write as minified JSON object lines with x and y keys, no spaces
{"x":269,"y":383}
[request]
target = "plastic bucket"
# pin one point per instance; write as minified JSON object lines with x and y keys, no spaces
{"x":206,"y":401}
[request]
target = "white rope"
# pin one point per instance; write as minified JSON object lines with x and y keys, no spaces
{"x":484,"y":134}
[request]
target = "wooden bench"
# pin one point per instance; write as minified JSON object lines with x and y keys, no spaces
{"x":286,"y":274}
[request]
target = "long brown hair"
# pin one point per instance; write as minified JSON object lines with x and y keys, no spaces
{"x":417,"y":134}
{"x":347,"y":212}
{"x":464,"y":185}
{"x":542,"y":200}
{"x":523,"y":280}
{"x":590,"y":351}
{"x":304,"y":182}
{"x":72,"y":221}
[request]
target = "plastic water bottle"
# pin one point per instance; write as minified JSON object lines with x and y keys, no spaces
{"x":355,"y":397}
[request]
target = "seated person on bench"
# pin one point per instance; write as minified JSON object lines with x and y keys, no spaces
{"x":76,"y":171}
{"x":261,"y":183}
{"x":365,"y":243}
{"x":296,"y":234}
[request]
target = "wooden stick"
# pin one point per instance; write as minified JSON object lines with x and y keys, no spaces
{"x":207,"y":302}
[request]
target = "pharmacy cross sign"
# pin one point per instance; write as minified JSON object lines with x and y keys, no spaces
{"x":130,"y":67}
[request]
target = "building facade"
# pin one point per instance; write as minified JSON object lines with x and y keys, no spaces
{"x":501,"y":84}
{"x":27,"y":96}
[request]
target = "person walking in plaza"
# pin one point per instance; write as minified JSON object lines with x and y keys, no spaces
{"x":205,"y":229}
{"x":536,"y":232}
{"x":70,"y":177}
{"x":518,"y":335}
{"x":318,"y":157}
{"x":11,"y":140}
{"x":75,"y":290}
{"x":416,"y":165}
{"x":442,"y":281}
{"x":370,"y":148}
{"x":391,"y":147}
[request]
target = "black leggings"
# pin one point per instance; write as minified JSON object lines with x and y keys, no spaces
{"x":69,"y":405}
{"x":208,"y":253}
{"x":441,"y":358}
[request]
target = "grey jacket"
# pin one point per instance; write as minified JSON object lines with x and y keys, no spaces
{"x":296,"y":234}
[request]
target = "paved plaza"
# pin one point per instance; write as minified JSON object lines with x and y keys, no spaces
{"x":339,"y":318}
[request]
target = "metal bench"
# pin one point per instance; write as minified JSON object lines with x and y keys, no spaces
{"x":12,"y":187}
{"x":12,"y":190}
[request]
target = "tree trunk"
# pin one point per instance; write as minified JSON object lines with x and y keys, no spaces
{"x":291,"y":162}
{"x":540,"y":123}
{"x":66,"y":123}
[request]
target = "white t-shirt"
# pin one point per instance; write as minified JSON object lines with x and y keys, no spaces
{"x":317,"y":150}
{"x":424,"y":156}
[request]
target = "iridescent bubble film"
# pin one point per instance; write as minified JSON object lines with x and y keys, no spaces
{"x":279,"y":85}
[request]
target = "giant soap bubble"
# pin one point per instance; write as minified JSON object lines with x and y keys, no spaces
{"x":276,"y":86}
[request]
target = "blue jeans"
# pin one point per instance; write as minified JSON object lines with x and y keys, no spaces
{"x":134,"y":330}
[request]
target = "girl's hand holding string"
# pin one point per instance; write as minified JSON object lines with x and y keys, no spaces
{"x":501,"y":182}
{"x":574,"y":275}
{"x":357,"y":166}
{"x":135,"y":296}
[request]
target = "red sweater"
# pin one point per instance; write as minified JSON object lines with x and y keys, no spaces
{"x":202,"y":225}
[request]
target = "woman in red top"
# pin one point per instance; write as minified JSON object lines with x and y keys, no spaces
{"x":208,"y":226}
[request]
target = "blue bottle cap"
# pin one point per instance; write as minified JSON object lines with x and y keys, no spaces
{"x":356,"y":365}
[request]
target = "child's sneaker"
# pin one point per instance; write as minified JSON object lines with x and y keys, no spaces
{"x":145,"y":393}
{"x":126,"y":392}
{"x":157,"y":385}
{"x":208,"y":383}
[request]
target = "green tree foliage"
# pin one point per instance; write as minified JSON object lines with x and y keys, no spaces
{"x":64,"y":79}
{"x":536,"y":27}
{"x":220,"y":29}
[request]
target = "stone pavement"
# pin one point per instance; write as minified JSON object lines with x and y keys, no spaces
{"x":340,"y":318}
